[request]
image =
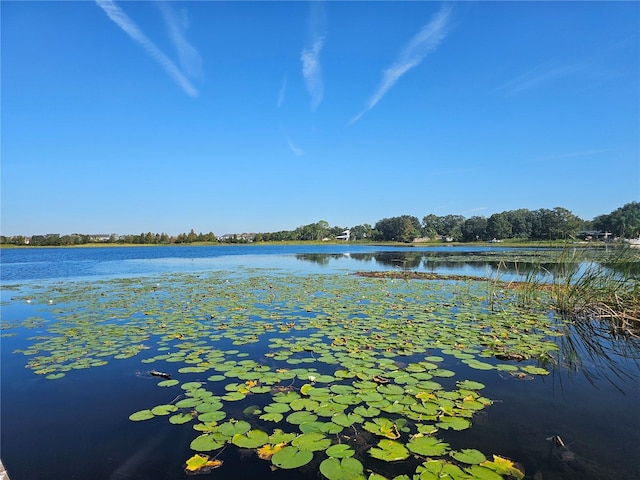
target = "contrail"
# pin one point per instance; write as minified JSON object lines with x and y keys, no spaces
{"x":312,"y":72}
{"x":310,"y":56}
{"x":115,"y":13}
{"x":423,"y":43}
{"x":189,"y":57}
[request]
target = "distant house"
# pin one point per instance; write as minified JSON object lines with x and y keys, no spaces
{"x":237,"y":237}
{"x":102,"y":237}
{"x":344,"y":235}
{"x":594,"y":235}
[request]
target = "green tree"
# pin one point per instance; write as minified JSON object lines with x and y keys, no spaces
{"x":431,"y":226}
{"x":498,"y":226}
{"x":360,"y":232}
{"x":474,"y":228}
{"x":622,"y":222}
{"x":452,"y":226}
{"x":405,"y":228}
{"x":521,"y":221}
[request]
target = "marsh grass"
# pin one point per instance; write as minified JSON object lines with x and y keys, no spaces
{"x":606,"y":287}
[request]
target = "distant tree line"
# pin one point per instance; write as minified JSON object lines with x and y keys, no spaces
{"x":56,"y":240}
{"x":543,"y":224}
{"x":622,"y":222}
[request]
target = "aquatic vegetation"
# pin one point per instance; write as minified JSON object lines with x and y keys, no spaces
{"x":336,"y":369}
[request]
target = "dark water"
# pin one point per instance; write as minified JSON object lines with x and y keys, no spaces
{"x":77,"y":427}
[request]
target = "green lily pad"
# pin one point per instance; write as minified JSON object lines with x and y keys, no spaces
{"x":141,"y":415}
{"x":232,"y":427}
{"x":503,"y":466}
{"x":168,"y":383}
{"x":454,"y":423}
{"x":478,"y":365}
{"x":427,"y":446}
{"x":441,"y":469}
{"x":482,"y":473}
{"x":340,"y":450}
{"x":383,"y":427}
{"x":191,"y":385}
{"x":291,"y":457}
{"x":533,"y":370}
{"x":346,"y":420}
{"x":271,"y":417}
{"x":164,"y":409}
{"x":342,"y":469}
{"x":389,"y":451}
{"x":251,"y":439}
{"x":470,"y":385}
{"x":313,"y":441}
{"x":469,"y":456}
{"x":213,"y":416}
{"x":188,"y":402}
{"x":180,"y":418}
{"x":297,"y":418}
{"x":233,"y":396}
{"x":206,"y":442}
{"x":277,"y":408}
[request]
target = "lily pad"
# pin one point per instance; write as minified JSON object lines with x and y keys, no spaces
{"x":342,"y":469}
{"x":313,"y":441}
{"x":168,"y":383}
{"x":340,"y":450}
{"x":389,"y":451}
{"x":251,"y":439}
{"x":206,"y":443}
{"x":180,"y":418}
{"x":469,"y":456}
{"x":504,"y":466}
{"x":454,"y":423}
{"x":141,"y":415}
{"x":297,"y":418}
{"x":291,"y":457}
{"x":427,"y":446}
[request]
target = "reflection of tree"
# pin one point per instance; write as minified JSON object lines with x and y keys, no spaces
{"x":414,"y":260}
{"x":319,"y":258}
{"x":404,"y":260}
{"x":600,"y":349}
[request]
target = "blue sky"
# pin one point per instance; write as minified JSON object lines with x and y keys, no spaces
{"x":128,"y":117}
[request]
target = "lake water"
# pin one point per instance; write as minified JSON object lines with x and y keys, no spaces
{"x":77,"y":426}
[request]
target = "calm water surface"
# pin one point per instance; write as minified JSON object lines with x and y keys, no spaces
{"x":77,"y":427}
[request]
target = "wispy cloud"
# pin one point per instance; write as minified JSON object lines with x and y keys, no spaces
{"x":294,"y":148}
{"x":423,"y":43}
{"x":536,"y":77}
{"x":296,"y":151}
{"x":310,"y":56}
{"x":282,"y":92}
{"x":177,"y":26}
{"x":474,"y":210}
{"x":115,"y":13}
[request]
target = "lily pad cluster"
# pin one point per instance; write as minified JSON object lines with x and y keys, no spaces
{"x":338,"y":371}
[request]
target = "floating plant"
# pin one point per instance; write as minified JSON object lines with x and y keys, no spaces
{"x":348,"y":368}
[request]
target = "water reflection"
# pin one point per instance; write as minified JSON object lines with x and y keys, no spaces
{"x":487,"y":264}
{"x":608,"y":350}
{"x":600,"y":349}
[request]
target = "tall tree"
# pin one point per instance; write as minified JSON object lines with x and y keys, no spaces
{"x":622,"y":222}
{"x":405,"y":228}
{"x":474,"y":228}
{"x":431,"y":226}
{"x":498,"y":226}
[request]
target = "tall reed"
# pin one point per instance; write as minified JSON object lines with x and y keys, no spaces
{"x":602,"y":287}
